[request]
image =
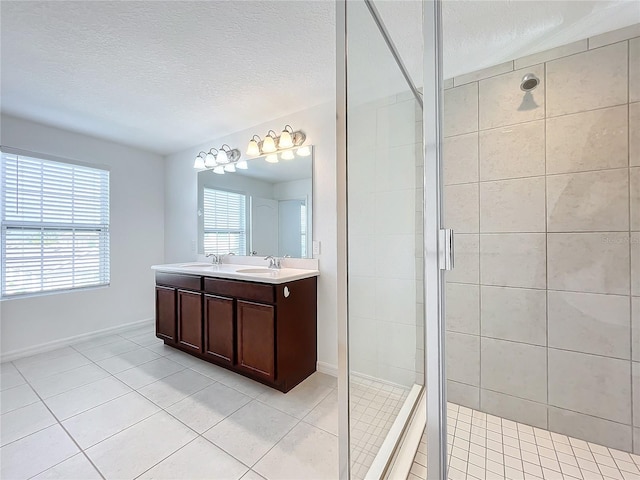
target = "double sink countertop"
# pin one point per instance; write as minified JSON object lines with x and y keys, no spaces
{"x":247,"y":272}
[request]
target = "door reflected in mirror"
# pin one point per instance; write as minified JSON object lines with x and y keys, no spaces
{"x":263,"y":210}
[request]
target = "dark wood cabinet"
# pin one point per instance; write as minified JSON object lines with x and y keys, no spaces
{"x":166,"y":313}
{"x":190,"y":319}
{"x":219,"y":331}
{"x":256,"y":345}
{"x":266,"y":332}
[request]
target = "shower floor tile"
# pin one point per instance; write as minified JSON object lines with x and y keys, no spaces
{"x":485,"y":447}
{"x":374,"y":406}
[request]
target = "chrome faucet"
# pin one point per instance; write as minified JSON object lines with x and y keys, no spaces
{"x":222,"y":256}
{"x":274,"y":262}
{"x":215,"y":260}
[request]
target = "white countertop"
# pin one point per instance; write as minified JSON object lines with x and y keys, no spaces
{"x":252,"y":273}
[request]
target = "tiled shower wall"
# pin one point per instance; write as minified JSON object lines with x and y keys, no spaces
{"x":543,"y":192}
{"x":385,"y":225}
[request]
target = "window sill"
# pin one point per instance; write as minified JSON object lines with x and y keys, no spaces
{"x":23,"y":296}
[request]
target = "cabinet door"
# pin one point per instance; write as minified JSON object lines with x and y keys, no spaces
{"x":256,"y":338}
{"x":190,"y":319}
{"x":166,"y":313}
{"x":219,"y":328}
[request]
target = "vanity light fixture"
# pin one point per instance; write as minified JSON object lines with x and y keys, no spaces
{"x":269,"y":142}
{"x":289,"y":138}
{"x":303,"y":152}
{"x":287,"y":155}
{"x":253,"y":149}
{"x":216,"y":160}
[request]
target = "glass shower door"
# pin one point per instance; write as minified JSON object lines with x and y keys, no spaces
{"x":385,"y":313}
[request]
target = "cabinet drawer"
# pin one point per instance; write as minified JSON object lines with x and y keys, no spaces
{"x":245,"y":290}
{"x":189,"y":282}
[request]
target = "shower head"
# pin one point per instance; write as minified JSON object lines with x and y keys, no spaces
{"x":529,"y":82}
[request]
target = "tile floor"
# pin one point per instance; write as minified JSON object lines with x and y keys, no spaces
{"x":126,"y":406}
{"x":374,"y":406}
{"x":485,"y":447}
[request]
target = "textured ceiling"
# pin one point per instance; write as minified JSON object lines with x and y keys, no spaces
{"x":165,"y":76}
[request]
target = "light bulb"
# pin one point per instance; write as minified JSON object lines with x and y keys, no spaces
{"x":222,"y":157}
{"x":272,"y":158}
{"x":230,"y":167}
{"x":199,"y":163}
{"x":268,"y":145}
{"x":304,"y":151}
{"x":287,"y":155}
{"x":219,"y":170}
{"x":253,"y":149}
{"x":285,"y":139}
{"x":210,"y":160}
{"x":242,"y":165}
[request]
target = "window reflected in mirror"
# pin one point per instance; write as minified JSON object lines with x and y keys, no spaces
{"x":263,"y":210}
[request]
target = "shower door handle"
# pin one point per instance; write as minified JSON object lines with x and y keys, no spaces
{"x":446,"y":249}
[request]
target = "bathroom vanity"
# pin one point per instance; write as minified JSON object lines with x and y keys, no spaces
{"x":258,"y":322}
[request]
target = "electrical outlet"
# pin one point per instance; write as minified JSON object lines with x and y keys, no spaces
{"x":316,"y":247}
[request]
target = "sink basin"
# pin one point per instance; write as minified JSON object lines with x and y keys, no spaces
{"x":255,"y":270}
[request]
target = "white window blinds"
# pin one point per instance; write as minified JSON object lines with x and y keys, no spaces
{"x":224,"y":222}
{"x":54,"y":225}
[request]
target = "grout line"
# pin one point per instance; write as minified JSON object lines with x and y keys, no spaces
{"x":64,"y":429}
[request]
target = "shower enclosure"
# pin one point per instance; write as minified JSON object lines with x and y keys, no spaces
{"x":527,"y":353}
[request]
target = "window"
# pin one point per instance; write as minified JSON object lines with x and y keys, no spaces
{"x":54,"y":225}
{"x":224,"y":222}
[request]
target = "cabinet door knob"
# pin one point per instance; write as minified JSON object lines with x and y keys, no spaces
{"x":286,"y":292}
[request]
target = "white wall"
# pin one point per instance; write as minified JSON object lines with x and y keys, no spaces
{"x":137,"y":242}
{"x":181,"y":206}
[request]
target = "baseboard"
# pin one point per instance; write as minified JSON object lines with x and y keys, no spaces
{"x":327,"y":368}
{"x":64,"y":342}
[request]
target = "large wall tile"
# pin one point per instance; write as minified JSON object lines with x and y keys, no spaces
{"x":400,"y":252}
{"x":636,"y":441}
{"x":361,"y":296}
{"x":460,"y":161}
{"x":512,"y":152}
{"x":552,"y":54}
{"x":396,"y":124}
{"x":462,"y":308}
{"x":484,"y":73}
{"x":463,"y":358}
{"x":394,"y":300}
{"x":635,"y":330}
{"x":461,"y":110}
{"x":514,"y":408}
{"x":589,"y":262}
{"x":463,"y":394}
{"x":590,"y":323}
{"x":517,"y":314}
{"x":588,"y":80}
{"x":634,"y":134}
{"x":635,"y":198}
{"x":397,"y":345}
{"x":592,"y":140}
{"x":588,"y":201}
{"x":615,"y":36}
{"x":590,"y":384}
{"x":514,"y":368}
{"x":461,"y":208}
{"x":514,"y":260}
{"x":395,"y":168}
{"x":503,"y":103}
{"x":634,"y":70}
{"x":467,"y":259}
{"x":592,"y":429}
{"x":635,"y":263}
{"x":513,"y":206}
{"x":395,"y":212}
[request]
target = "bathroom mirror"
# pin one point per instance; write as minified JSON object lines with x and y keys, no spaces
{"x":265,"y":209}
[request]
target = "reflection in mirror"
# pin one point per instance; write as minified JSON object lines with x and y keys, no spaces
{"x":263,"y":210}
